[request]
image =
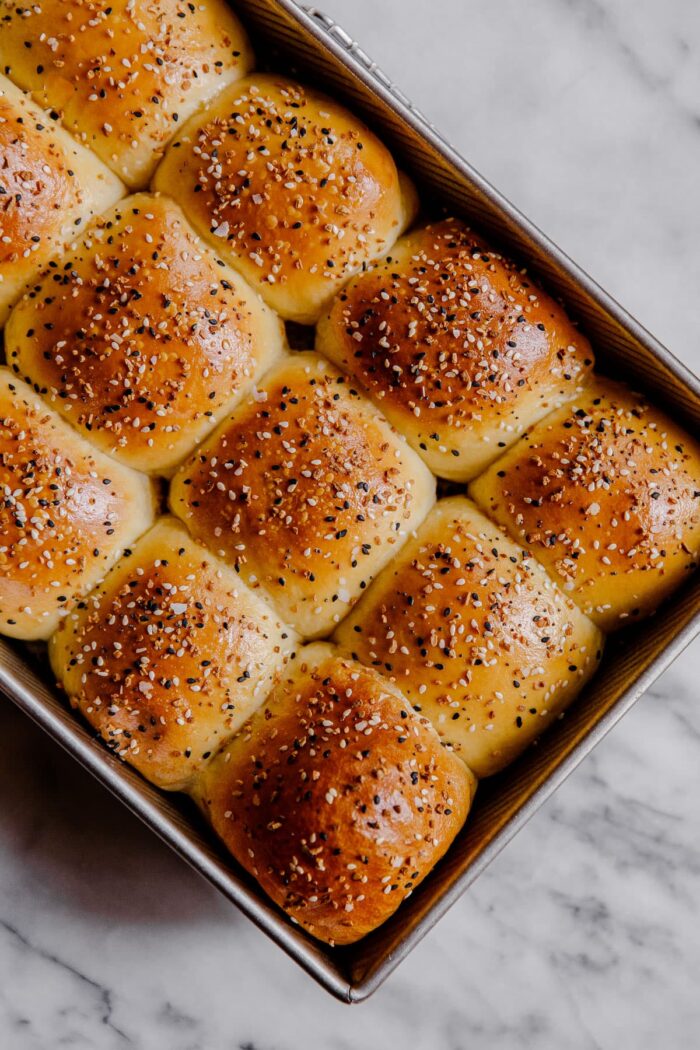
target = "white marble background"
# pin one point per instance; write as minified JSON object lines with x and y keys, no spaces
{"x":585,"y":933}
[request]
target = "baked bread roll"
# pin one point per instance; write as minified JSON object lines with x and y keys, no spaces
{"x":290,"y":188}
{"x":49,"y":187}
{"x":140,"y":337}
{"x":456,"y":345}
{"x":169,"y":656}
{"x":473,"y":632}
{"x":606,"y":494}
{"x":66,"y":514}
{"x":306,"y":490}
{"x":122,"y":75}
{"x":336,"y":797}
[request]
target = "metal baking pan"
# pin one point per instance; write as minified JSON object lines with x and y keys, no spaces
{"x":287,"y":36}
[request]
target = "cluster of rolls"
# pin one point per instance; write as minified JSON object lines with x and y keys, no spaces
{"x":321,"y":652}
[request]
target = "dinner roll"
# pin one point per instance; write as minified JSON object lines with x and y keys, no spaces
{"x":140,"y":337}
{"x":67,"y":512}
{"x":49,"y":186}
{"x":456,"y":345}
{"x":475,"y":635}
{"x":306,"y":490}
{"x":336,"y":797}
{"x":169,"y":656}
{"x":120,"y":74}
{"x":606,"y":494}
{"x":292,"y":190}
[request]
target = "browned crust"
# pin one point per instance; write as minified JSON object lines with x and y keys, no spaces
{"x":477,"y":637}
{"x":337,"y":797}
{"x":169,"y":656}
{"x":305,"y":490}
{"x":66,"y":514}
{"x":140,"y":337}
{"x":123,"y":76}
{"x":456,"y":344}
{"x":606,"y":494}
{"x":291,"y":189}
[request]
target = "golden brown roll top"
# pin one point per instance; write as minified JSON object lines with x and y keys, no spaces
{"x":470,"y":628}
{"x":49,"y":187}
{"x":336,"y":797}
{"x":169,"y":656}
{"x":291,"y":189}
{"x":456,"y":345}
{"x":122,"y":75}
{"x":140,"y":337}
{"x":66,"y":513}
{"x":306,"y":490}
{"x":606,"y":494}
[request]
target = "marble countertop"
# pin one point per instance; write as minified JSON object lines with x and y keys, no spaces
{"x":585,"y":932}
